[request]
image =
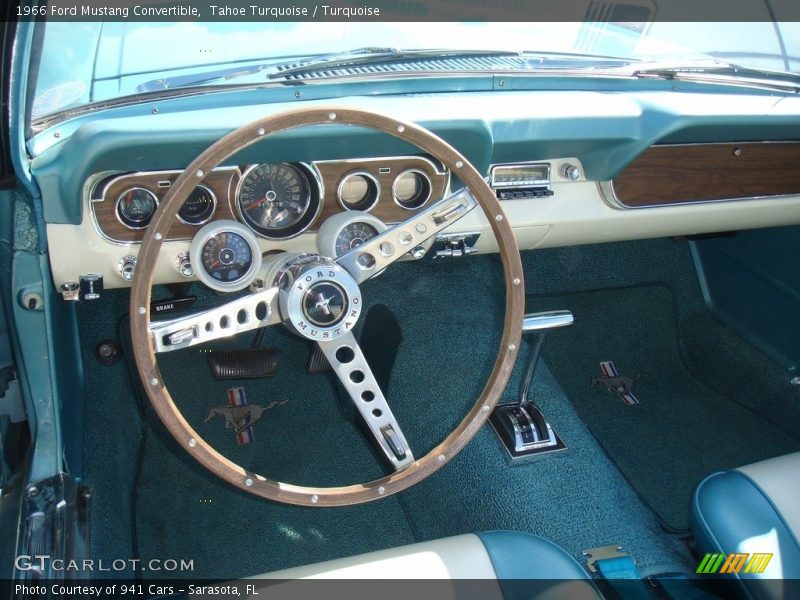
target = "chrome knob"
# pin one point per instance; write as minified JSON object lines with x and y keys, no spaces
{"x":184,"y":265}
{"x":127,"y":266}
{"x":418,"y":252}
{"x":570,"y":171}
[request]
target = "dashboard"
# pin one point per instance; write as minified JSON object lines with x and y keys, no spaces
{"x":569,"y":168}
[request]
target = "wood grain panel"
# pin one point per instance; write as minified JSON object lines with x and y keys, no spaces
{"x":703,"y":172}
{"x":223,"y":182}
{"x":386,"y":209}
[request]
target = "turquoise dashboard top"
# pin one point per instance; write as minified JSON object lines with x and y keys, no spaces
{"x":605,"y":129}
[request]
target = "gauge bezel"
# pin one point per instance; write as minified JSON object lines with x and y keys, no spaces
{"x":332,"y":228}
{"x":209,"y":231}
{"x":119,"y":214}
{"x":315,"y":193}
{"x":213,"y":196}
{"x":424,"y":176}
{"x":371,"y":203}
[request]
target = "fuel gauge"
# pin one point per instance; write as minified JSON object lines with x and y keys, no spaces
{"x":135,"y":207}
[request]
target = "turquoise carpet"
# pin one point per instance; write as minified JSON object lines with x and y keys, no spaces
{"x":681,"y":429}
{"x":578,"y":498}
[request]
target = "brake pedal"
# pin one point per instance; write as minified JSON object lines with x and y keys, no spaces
{"x":317,"y":363}
{"x":244,"y":364}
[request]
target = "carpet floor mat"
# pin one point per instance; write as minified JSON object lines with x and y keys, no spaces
{"x":304,"y":438}
{"x":577,"y":498}
{"x":622,"y":367}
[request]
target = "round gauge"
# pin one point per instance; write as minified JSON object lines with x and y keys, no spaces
{"x":352,"y":236}
{"x":135,"y":207}
{"x":358,"y":191}
{"x":411,"y":189}
{"x":199,"y":206}
{"x":277,"y":200}
{"x":225,"y":255}
{"x":347,"y":230}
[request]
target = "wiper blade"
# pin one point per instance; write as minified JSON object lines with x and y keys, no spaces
{"x":195,"y":79}
{"x":727,"y":73}
{"x":166,"y":83}
{"x":373,"y":56}
{"x":286,"y":67}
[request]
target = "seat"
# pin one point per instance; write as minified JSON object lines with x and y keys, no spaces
{"x":752,"y":510}
{"x":511,"y":564}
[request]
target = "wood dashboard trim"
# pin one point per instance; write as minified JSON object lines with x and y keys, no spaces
{"x":666,"y":175}
{"x":224,"y":182}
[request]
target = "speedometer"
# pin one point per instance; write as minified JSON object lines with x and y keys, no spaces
{"x":277,"y":201}
{"x":225,"y":255}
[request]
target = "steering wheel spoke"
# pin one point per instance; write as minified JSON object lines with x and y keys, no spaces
{"x":372,"y":257}
{"x":259,"y":309}
{"x":348,"y":362}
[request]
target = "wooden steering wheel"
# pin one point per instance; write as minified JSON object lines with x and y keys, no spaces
{"x":299,"y":285}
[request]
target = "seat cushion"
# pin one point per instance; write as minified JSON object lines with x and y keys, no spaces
{"x":510,"y":562}
{"x":753,"y":509}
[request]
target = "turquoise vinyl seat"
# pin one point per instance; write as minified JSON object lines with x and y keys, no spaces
{"x":753,"y":510}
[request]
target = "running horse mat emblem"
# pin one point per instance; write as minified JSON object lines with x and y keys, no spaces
{"x":241,"y":416}
{"x":621,"y":385}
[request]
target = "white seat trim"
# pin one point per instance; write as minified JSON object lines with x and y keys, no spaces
{"x":459,"y":557}
{"x":778,"y":478}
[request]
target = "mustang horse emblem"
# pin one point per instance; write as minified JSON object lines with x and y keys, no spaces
{"x":241,"y":416}
{"x":621,"y":385}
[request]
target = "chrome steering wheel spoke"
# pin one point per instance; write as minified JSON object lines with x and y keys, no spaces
{"x":348,"y":362}
{"x":259,"y":309}
{"x":372,"y":257}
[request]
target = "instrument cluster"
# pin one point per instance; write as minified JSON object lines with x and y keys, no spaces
{"x":276,"y":201}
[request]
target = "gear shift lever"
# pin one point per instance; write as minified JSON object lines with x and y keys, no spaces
{"x":519,"y":425}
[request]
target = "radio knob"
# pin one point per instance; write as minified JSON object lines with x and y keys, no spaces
{"x":127,"y":266}
{"x":570,"y":171}
{"x":184,"y":265}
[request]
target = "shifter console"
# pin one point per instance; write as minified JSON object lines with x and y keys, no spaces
{"x":519,"y":425}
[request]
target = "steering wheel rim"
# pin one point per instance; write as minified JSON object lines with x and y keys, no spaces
{"x":145,"y":355}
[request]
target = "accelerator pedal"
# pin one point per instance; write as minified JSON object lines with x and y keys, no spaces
{"x":244,"y":364}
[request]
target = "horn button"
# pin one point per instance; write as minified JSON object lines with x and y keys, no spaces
{"x":319,"y":300}
{"x":325,"y":304}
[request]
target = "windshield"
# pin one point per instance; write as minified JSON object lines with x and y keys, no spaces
{"x":81,"y":63}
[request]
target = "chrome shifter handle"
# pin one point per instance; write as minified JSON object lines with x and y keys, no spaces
{"x":538,"y":325}
{"x":520,"y":426}
{"x":545,"y":321}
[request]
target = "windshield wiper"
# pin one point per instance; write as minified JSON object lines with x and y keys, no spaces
{"x":287,"y":67}
{"x":167,"y":83}
{"x":195,"y":79}
{"x":724,"y":73}
{"x":377,"y":56}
